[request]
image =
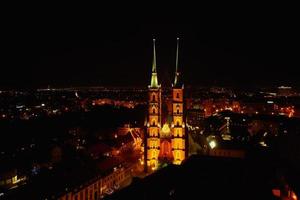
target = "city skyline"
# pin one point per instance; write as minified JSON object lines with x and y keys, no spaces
{"x":111,"y":105}
{"x":120,"y":54}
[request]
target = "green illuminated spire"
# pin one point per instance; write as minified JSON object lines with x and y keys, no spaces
{"x":154,"y":82}
{"x":177,"y":80}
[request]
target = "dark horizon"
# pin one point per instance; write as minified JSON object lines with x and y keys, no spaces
{"x":238,"y":54}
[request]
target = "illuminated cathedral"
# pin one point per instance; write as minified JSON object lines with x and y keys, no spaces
{"x":166,"y":137}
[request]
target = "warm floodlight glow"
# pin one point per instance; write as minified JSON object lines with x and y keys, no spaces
{"x":212,"y":144}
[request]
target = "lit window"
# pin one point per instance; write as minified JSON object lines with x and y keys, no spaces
{"x":14,"y":179}
{"x":153,"y":123}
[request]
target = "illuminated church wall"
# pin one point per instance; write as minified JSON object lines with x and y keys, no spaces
{"x":166,"y":137}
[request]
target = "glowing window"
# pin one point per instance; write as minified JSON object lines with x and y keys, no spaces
{"x":153,"y":123}
{"x":153,"y":154}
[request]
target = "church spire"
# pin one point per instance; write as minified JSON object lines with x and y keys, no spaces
{"x":177,"y":80}
{"x":154,"y":82}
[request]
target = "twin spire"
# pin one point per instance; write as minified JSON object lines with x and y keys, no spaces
{"x":154,"y":81}
{"x":154,"y":58}
{"x":177,"y":80}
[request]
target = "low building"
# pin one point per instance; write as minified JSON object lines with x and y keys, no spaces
{"x":10,"y":179}
{"x":113,"y":174}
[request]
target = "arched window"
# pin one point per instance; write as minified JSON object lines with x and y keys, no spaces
{"x":177,"y":95}
{"x":153,"y":110}
{"x":177,"y":111}
{"x":153,"y":97}
{"x":177,"y":123}
{"x":153,"y":123}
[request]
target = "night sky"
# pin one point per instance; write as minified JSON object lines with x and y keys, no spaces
{"x":214,"y":50}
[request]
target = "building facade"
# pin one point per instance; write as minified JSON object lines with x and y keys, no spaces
{"x":98,"y":187}
{"x":165,"y":140}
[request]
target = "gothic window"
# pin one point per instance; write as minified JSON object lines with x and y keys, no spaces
{"x":177,"y":123}
{"x":177,"y":111}
{"x":153,"y":97}
{"x":153,"y":123}
{"x":153,"y":110}
{"x":153,"y":132}
{"x":177,"y":95}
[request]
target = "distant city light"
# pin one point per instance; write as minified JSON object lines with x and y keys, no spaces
{"x":284,"y":87}
{"x":262,"y":143}
{"x":212,"y":144}
{"x":265,"y":134}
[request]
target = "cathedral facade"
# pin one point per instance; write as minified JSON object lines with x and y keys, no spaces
{"x":166,"y":137}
